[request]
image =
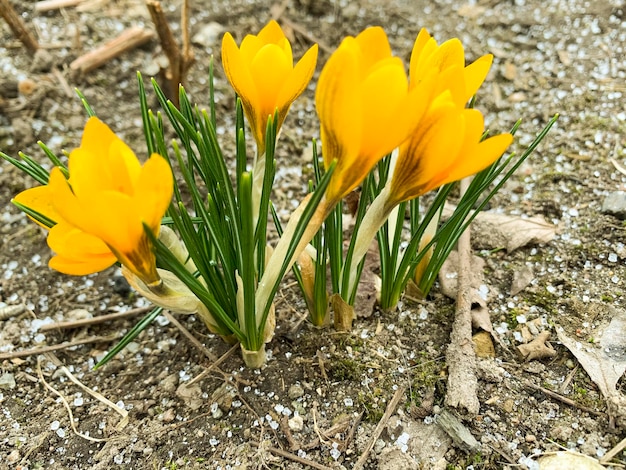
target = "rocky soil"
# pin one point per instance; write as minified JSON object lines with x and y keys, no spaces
{"x":321,"y":400}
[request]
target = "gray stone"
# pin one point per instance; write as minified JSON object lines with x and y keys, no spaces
{"x":615,"y":204}
{"x":7,"y":381}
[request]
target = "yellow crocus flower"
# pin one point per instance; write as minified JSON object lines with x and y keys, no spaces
{"x":447,"y":62}
{"x":445,"y":147}
{"x":100,"y":211}
{"x":262,"y":73}
{"x":366,"y":108}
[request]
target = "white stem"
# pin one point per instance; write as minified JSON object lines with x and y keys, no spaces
{"x":374,"y":218}
{"x":258,"y":175}
{"x":274,"y":264}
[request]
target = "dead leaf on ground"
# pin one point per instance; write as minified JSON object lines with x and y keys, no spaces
{"x":605,"y":359}
{"x":471,"y":10}
{"x":490,"y":230}
{"x":521,"y":279}
{"x":568,"y":460}
{"x":448,"y":277}
{"x":538,"y":348}
{"x":448,"y":280}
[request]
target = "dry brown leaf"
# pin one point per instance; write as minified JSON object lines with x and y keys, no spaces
{"x":448,"y":277}
{"x":369,"y":285}
{"x":604,"y":361}
{"x":471,"y":10}
{"x":570,"y":461}
{"x":497,"y":230}
{"x":491,"y":230}
{"x":521,"y":279}
{"x":538,"y":348}
{"x":484,"y":344}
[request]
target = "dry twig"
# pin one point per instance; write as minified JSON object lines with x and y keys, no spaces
{"x":57,"y":347}
{"x":127,"y":40}
{"x":48,"y":5}
{"x":563,"y":399}
{"x":18,"y":27}
{"x":179,"y":62}
{"x":66,"y":325}
{"x":292,"y":457}
{"x":190,"y":337}
{"x":461,"y":357}
{"x":391,"y":408}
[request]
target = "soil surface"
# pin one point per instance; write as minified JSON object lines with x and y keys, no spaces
{"x":319,"y":400}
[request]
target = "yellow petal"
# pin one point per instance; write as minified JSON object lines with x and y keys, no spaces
{"x":77,"y":253}
{"x":66,"y":204}
{"x":107,"y":215}
{"x":475,"y":75}
{"x":481,"y":156}
{"x":271,"y":33}
{"x":299,"y":78}
{"x":418,"y":47}
{"x":339,"y":105}
{"x":237,"y":71}
{"x":153,"y":193}
{"x":269,"y":68}
{"x":384,"y":92}
{"x":449,"y":54}
{"x":112,"y":166}
{"x":374,"y":45}
{"x":39,"y":199}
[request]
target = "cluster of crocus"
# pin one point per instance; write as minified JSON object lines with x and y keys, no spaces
{"x":106,"y":207}
{"x":368,"y":107}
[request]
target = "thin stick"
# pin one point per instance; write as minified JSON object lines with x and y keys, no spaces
{"x":64,"y":85}
{"x":67,"y":407}
{"x":57,"y":347}
{"x":179,"y":62}
{"x":214,"y":365}
{"x":563,"y":399}
{"x":460,"y":356}
{"x":292,"y":457}
{"x":47,"y":5}
{"x":613,"y":452}
{"x":190,"y":337}
{"x":17,"y":26}
{"x":127,"y":40}
{"x":66,"y":325}
{"x":391,"y":408}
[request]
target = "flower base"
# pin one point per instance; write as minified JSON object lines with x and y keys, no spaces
{"x":254,"y":359}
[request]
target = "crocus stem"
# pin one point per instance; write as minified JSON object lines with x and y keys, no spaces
{"x":375,"y":217}
{"x":257,"y":186}
{"x":274,"y":267}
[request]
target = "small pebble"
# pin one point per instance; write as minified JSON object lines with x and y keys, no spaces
{"x":615,"y":204}
{"x":295,"y":391}
{"x":296,"y":423}
{"x":7,"y":381}
{"x":169,"y":415}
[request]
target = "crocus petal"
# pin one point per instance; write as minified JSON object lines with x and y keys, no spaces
{"x":382,"y":132}
{"x":262,"y":73}
{"x":475,"y":74}
{"x":153,"y":192}
{"x":77,"y":253}
{"x":375,"y":45}
{"x":39,"y":199}
{"x":237,"y":71}
{"x":339,"y":105}
{"x":299,"y":77}
{"x":483,"y":155}
{"x":103,"y":160}
{"x":271,"y":33}
{"x":267,"y":78}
